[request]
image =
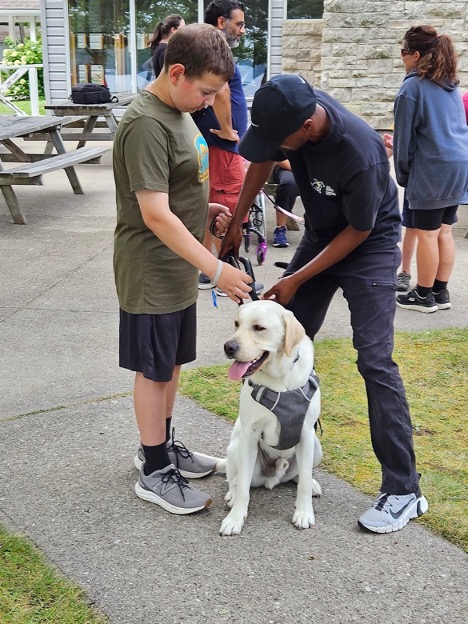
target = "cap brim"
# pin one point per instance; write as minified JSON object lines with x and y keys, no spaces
{"x":257,"y":150}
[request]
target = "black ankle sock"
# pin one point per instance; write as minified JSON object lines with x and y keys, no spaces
{"x":168,"y":429}
{"x":156,"y":458}
{"x":438,"y":286}
{"x":422,"y":291}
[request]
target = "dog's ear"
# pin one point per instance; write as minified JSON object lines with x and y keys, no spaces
{"x":293,"y":333}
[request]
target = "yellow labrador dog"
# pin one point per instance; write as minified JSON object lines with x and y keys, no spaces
{"x":273,"y":440}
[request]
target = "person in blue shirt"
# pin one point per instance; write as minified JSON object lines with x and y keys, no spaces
{"x":225,"y":123}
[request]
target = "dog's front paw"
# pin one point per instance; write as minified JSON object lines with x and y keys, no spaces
{"x":316,"y":489}
{"x":304,"y":518}
{"x":232,"y":524}
{"x":229,"y":499}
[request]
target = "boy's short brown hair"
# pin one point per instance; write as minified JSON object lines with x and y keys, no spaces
{"x":200,"y":48}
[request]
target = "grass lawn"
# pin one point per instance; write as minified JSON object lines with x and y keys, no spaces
{"x":31,"y":592}
{"x":24,"y":105}
{"x":434,"y":366}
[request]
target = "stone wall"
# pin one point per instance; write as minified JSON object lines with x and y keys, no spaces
{"x":354,"y":52}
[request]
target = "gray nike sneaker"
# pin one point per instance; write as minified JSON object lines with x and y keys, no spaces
{"x":391,"y":512}
{"x":171,"y":491}
{"x":190,"y":465}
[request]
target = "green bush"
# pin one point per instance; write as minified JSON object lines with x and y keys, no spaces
{"x":24,"y":53}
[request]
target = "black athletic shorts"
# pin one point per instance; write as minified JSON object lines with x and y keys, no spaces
{"x":429,"y":219}
{"x":153,"y":344}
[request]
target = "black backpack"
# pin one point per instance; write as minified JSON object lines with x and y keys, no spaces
{"x":91,"y":93}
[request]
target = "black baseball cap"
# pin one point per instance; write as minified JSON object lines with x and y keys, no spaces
{"x":279,"y":108}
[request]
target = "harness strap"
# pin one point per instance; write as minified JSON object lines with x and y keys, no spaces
{"x":290,"y":407}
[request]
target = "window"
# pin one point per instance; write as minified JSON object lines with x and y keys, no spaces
{"x":103,"y":40}
{"x":304,"y":9}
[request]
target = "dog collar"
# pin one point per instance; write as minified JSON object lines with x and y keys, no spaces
{"x":290,"y":407}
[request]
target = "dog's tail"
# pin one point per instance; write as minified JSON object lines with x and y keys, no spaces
{"x":221,"y":466}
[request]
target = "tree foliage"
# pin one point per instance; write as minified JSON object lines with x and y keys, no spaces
{"x":26,"y":52}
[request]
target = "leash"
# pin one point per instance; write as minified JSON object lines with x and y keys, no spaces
{"x":242,"y":264}
{"x":279,"y":209}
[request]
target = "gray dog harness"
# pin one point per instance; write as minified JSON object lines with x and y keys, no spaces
{"x":289,"y":407}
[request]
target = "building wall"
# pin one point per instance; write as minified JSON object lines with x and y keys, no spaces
{"x":354,"y":52}
{"x":55,"y":47}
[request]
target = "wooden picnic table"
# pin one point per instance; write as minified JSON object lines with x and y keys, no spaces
{"x":88,"y":115}
{"x":35,"y":165}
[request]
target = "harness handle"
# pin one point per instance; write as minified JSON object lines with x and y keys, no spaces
{"x":242,"y":263}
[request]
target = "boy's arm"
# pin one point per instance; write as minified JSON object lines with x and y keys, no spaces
{"x":172,"y":232}
{"x":222,"y":110}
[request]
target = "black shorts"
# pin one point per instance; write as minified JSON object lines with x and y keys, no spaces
{"x":153,"y":344}
{"x":429,"y":219}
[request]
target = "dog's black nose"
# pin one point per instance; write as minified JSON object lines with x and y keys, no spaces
{"x":230,"y":348}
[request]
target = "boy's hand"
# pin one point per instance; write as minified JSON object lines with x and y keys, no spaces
{"x":219,"y":218}
{"x":235,"y":283}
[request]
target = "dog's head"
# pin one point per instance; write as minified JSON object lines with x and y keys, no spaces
{"x":265,"y":331}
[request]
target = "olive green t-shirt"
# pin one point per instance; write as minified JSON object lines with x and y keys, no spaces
{"x":158,"y":148}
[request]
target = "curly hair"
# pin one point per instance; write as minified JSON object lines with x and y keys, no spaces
{"x":438,"y":60}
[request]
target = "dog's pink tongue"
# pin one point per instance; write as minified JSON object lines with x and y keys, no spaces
{"x":237,"y":370}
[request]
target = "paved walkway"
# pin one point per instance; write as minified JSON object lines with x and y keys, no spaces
{"x":67,"y":437}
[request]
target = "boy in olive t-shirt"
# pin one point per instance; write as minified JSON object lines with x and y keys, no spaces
{"x":161,"y":178}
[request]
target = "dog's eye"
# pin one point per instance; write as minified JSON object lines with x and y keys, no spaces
{"x":236,"y":324}
{"x":258,"y":328}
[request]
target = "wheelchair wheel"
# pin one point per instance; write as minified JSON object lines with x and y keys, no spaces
{"x":261,"y":253}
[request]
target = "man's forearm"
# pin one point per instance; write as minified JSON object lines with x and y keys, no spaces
{"x":256,"y":176}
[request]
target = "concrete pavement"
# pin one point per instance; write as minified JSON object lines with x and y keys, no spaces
{"x":67,"y":437}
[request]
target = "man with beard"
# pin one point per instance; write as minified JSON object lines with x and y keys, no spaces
{"x":224,"y":124}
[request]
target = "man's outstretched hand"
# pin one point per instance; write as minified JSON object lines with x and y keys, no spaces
{"x":283,"y":291}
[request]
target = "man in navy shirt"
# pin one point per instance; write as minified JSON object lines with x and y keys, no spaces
{"x":350,"y":242}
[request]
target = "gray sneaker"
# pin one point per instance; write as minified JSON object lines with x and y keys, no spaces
{"x":391,"y":512}
{"x":190,"y":465}
{"x":169,"y":489}
{"x":403,"y":281}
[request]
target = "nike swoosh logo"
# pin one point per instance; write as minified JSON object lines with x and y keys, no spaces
{"x":397,"y":515}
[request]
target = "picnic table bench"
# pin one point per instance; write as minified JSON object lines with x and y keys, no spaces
{"x":36,"y":165}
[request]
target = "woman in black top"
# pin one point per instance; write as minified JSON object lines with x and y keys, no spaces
{"x":158,"y":42}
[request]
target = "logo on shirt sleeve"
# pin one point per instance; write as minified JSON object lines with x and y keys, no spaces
{"x":202,"y":151}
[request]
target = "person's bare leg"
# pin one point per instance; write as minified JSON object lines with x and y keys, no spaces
{"x":172,"y":392}
{"x":150,"y":403}
{"x":407,"y":249}
{"x":281,"y":219}
{"x":446,"y":253}
{"x":427,"y":256}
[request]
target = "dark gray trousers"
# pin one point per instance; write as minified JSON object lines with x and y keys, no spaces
{"x":367,"y":280}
